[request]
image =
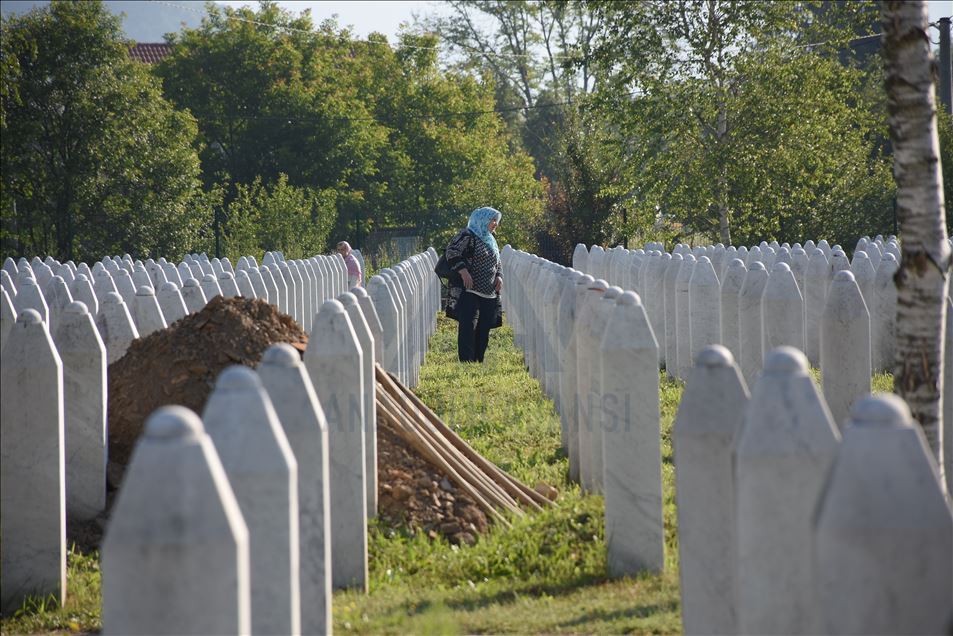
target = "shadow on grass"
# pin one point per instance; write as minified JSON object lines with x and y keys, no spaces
{"x":503,"y":597}
{"x":638,"y":611}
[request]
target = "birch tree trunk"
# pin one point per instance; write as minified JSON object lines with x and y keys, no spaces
{"x":921,"y":279}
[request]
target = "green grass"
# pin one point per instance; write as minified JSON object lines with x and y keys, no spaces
{"x":80,"y":613}
{"x":545,"y":574}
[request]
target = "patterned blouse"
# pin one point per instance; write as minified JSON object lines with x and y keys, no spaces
{"x":466,"y":250}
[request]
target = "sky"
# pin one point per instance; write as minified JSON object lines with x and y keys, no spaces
{"x":148,"y":21}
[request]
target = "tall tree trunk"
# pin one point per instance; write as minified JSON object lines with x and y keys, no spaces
{"x":921,"y":279}
{"x":724,"y":229}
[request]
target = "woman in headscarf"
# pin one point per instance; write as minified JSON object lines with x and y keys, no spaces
{"x":350,"y":261}
{"x":475,"y":256}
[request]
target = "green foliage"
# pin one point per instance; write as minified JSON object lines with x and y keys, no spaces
{"x":736,"y":129}
{"x":944,"y":123}
{"x":400,"y":142}
{"x":80,"y":613}
{"x":295,"y":221}
{"x":94,"y":160}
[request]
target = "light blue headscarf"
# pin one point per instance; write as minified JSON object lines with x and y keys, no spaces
{"x":479,"y":222}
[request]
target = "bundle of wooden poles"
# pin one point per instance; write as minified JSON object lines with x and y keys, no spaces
{"x":493,"y":490}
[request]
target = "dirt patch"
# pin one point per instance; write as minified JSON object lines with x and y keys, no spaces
{"x":179,"y":365}
{"x":415,"y":494}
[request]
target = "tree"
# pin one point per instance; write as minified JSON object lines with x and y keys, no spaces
{"x":394,"y":139}
{"x":94,"y":160}
{"x":733,"y":119}
{"x":294,"y":221}
{"x":925,"y":263}
{"x":447,"y":151}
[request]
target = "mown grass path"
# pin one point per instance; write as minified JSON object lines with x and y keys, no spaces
{"x":547,"y":573}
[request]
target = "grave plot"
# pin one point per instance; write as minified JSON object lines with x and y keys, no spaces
{"x":179,"y":365}
{"x":432,"y":479}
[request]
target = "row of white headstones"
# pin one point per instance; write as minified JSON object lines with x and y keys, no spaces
{"x":243,"y":520}
{"x":790,"y":520}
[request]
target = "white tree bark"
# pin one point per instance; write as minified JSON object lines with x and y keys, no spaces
{"x":921,"y":279}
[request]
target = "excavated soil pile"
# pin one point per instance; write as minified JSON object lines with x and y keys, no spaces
{"x":179,"y":365}
{"x":414,"y":493}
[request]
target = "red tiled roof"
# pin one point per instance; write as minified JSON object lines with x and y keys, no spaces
{"x":150,"y":53}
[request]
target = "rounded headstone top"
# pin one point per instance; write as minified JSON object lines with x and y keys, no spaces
{"x":332,"y":306}
{"x":598,"y":285}
{"x":359,"y":292}
{"x":81,"y":277}
{"x":628,"y":299}
{"x":798,"y":250}
{"x":237,"y":378}
{"x":586,"y":279}
{"x":145,"y":290}
{"x":843,"y":276}
{"x":77,"y":307}
{"x":736,"y":263}
{"x":173,"y":423}
{"x":281,"y":354}
{"x":191,"y":282}
{"x":209,"y":278}
{"x":677,"y":257}
{"x":889,"y":257}
{"x":168,"y":287}
{"x":612,"y":293}
{"x":785,"y":360}
{"x":347,"y":299}
{"x":112,"y":298}
{"x":30,"y":317}
{"x":781,"y":267}
{"x":225,"y":275}
{"x":704,"y":259}
{"x":714,"y":356}
{"x":123,"y":273}
{"x":861,"y":254}
{"x":884,"y":410}
{"x":758,"y":266}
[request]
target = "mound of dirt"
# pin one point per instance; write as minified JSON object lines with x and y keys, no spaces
{"x":413,"y":493}
{"x":179,"y":364}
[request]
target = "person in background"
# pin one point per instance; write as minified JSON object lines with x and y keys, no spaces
{"x":475,"y":256}
{"x":354,"y":278}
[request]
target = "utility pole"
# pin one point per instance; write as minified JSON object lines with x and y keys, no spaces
{"x":946,"y":72}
